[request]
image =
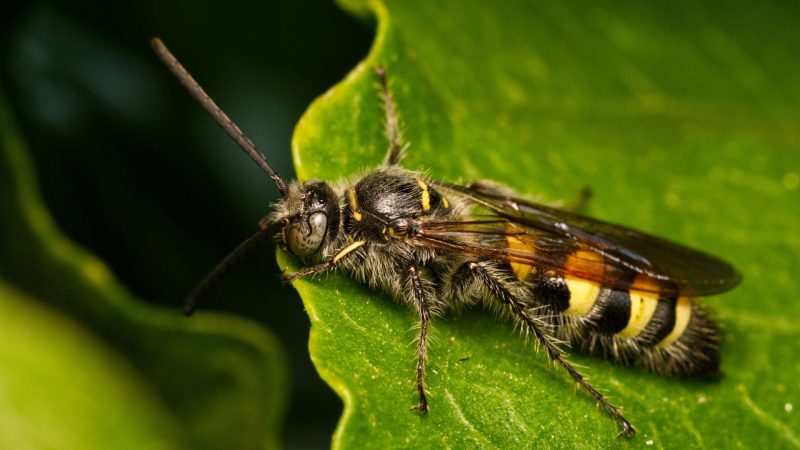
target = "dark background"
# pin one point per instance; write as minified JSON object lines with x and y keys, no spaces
{"x":133,"y":170}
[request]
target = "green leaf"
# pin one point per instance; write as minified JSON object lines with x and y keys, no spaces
{"x":682,"y":117}
{"x":72,"y":397}
{"x":85,"y":365}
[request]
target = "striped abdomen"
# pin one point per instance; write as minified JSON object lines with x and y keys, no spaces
{"x":667,"y":334}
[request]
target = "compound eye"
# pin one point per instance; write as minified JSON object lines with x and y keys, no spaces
{"x":306,"y":240}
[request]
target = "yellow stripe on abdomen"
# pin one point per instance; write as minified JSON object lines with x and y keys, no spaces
{"x":582,"y":296}
{"x":643,"y":296}
{"x":582,"y":293}
{"x":643,"y":306}
{"x":683,"y":314}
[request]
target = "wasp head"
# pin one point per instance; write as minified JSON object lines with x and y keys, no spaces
{"x":310,"y":214}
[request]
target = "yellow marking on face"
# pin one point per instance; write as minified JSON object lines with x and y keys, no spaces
{"x":683,"y":312}
{"x":351,"y":194}
{"x":582,"y":296}
{"x":643,"y":306}
{"x":426,"y":196}
{"x":347,"y":250}
{"x":445,"y":202}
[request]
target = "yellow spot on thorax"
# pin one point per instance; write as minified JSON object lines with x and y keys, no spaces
{"x":351,"y":194}
{"x":683,"y":312}
{"x":445,"y":202}
{"x":426,"y":196}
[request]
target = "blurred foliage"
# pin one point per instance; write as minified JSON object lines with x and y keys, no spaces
{"x":135,"y":172}
{"x":208,"y":383}
{"x":684,"y":120}
{"x":71,"y":398}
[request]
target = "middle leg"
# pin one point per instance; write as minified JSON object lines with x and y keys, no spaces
{"x":424,"y":310}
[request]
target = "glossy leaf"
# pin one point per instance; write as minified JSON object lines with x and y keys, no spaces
{"x":684,"y":121}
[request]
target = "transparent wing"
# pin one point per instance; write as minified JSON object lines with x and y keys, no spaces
{"x":523,"y":232}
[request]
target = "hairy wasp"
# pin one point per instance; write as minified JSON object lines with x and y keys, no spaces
{"x":567,"y":279}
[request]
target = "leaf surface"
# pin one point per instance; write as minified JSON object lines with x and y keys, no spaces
{"x":684,"y":121}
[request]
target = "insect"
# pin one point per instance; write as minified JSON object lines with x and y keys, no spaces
{"x":565,"y":278}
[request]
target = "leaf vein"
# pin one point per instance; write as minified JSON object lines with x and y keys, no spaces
{"x":770,"y":420}
{"x":460,"y":414}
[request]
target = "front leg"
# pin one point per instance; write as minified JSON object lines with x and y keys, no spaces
{"x":423,"y":308}
{"x":325,"y":265}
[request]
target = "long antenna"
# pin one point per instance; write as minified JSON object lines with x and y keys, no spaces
{"x":215,"y":112}
{"x":224,"y":267}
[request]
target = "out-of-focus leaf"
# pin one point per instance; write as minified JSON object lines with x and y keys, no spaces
{"x":216,"y":381}
{"x":62,"y":388}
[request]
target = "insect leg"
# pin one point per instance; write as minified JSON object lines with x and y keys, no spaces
{"x":391,"y":122}
{"x":424,"y":311}
{"x":325,"y":265}
{"x":499,"y":290}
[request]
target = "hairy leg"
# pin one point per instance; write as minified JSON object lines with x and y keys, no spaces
{"x":391,"y":122}
{"x":502,"y":291}
{"x":423,"y":308}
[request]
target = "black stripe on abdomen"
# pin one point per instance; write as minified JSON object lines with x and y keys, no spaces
{"x":661,"y":324}
{"x":616,"y":311}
